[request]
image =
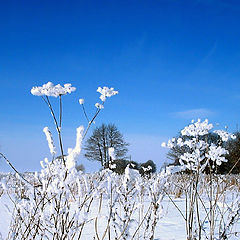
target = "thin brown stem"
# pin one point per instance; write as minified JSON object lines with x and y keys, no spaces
{"x":60,"y":112}
{"x":15,"y":170}
{"x":85,"y":114}
{"x":47,"y":101}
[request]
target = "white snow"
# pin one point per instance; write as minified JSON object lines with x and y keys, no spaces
{"x":171,"y":225}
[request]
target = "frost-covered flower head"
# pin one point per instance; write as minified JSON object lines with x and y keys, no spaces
{"x":199,"y":153}
{"x":106,"y":92}
{"x":99,"y":106}
{"x":51,"y":90}
{"x":192,"y":160}
{"x":171,"y":143}
{"x":225,"y":136}
{"x":81,"y":101}
{"x":197,"y":129}
{"x":216,"y":154}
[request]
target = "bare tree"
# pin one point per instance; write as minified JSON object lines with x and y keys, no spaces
{"x":102,"y":139}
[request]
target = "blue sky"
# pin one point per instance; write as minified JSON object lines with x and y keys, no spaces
{"x":171,"y":61}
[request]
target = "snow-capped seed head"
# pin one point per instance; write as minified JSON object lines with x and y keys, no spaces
{"x":217,"y":154}
{"x":225,"y":136}
{"x":81,"y":101}
{"x":106,"y":92}
{"x":42,"y":164}
{"x":99,"y":106}
{"x":68,"y":88}
{"x":233,"y":136}
{"x":164,"y":144}
{"x":51,"y":90}
{"x":197,"y":128}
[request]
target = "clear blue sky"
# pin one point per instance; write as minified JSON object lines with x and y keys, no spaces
{"x":171,"y":61}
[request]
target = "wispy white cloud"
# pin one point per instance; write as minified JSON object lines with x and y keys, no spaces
{"x":194,"y":113}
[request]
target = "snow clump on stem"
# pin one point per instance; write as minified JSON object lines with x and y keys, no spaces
{"x":216,"y":154}
{"x":106,"y":92}
{"x":197,"y":129}
{"x":225,"y":136}
{"x":51,"y":90}
{"x":74,"y":153}
{"x":49,"y":137}
{"x":99,"y":106}
{"x":81,"y":101}
{"x":199,"y":152}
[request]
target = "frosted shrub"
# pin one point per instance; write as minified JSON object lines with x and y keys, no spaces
{"x":47,"y":210}
{"x":133,"y":205}
{"x":57,"y":201}
{"x":201,"y":155}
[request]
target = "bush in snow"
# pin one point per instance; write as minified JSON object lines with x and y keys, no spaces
{"x":201,"y":155}
{"x":58,"y":201}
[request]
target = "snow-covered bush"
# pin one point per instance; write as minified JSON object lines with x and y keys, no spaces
{"x":59,"y":201}
{"x":199,"y":155}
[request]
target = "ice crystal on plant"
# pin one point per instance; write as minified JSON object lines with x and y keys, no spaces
{"x":216,"y":154}
{"x":99,"y":106}
{"x":197,"y":129}
{"x":74,"y":153}
{"x":164,"y":144}
{"x":106,"y":92}
{"x":174,"y":169}
{"x":51,"y":90}
{"x":81,"y":101}
{"x":170,"y":144}
{"x":199,"y":152}
{"x":192,"y":160}
{"x":51,"y":146}
{"x":225,"y":136}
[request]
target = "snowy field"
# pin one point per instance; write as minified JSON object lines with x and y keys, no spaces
{"x":170,"y":224}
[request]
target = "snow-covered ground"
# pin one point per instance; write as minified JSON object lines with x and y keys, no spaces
{"x":108,"y":192}
{"x":6,"y":208}
{"x":171,"y":225}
